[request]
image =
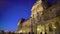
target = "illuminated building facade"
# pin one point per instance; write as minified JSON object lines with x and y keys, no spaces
{"x":43,"y":20}
{"x":24,"y":27}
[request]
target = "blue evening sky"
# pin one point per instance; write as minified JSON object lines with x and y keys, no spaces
{"x":13,"y":10}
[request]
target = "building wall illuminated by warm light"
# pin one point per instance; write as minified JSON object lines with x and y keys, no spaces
{"x":42,"y":20}
{"x":27,"y":23}
{"x":25,"y":27}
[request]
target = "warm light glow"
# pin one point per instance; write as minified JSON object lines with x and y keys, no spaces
{"x":37,"y":8}
{"x":20,"y":31}
{"x":38,"y":29}
{"x":36,"y":5}
{"x":54,"y":27}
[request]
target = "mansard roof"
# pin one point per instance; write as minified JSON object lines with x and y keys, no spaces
{"x":52,"y":12}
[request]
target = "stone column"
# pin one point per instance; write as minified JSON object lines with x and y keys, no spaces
{"x":47,"y":29}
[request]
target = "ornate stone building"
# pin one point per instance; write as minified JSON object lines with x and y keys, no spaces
{"x":44,"y":19}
